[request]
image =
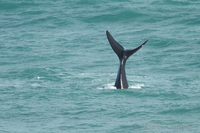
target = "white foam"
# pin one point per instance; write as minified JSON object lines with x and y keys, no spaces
{"x":108,"y":86}
{"x":111,"y":86}
{"x":137,"y":86}
{"x":38,"y":77}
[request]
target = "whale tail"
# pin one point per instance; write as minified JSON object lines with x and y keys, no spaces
{"x":119,"y":50}
{"x":121,"y":80}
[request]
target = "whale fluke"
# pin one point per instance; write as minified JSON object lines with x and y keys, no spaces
{"x":115,"y":45}
{"x":121,"y":80}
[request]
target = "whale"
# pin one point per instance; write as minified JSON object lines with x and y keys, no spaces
{"x":123,"y":54}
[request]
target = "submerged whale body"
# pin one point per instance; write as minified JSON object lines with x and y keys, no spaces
{"x":123,"y":54}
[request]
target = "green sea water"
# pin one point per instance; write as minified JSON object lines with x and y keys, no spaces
{"x":57,"y":69}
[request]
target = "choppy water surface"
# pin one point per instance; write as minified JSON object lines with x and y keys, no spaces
{"x":58,"y":69}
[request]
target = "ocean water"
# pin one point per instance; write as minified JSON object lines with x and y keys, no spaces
{"x":57,"y":69}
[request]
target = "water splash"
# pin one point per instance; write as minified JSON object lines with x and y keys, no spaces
{"x":137,"y":86}
{"x":111,"y":86}
{"x":108,"y":86}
